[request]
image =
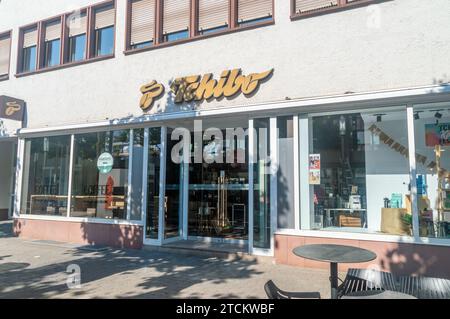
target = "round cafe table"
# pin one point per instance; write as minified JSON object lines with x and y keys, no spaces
{"x":334,"y":254}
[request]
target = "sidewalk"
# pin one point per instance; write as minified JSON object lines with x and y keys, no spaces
{"x":36,"y":269}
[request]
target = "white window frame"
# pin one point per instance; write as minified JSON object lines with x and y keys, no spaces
{"x":68,"y":218}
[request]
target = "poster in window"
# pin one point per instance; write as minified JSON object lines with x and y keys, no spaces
{"x":314,"y":169}
{"x":437,"y":134}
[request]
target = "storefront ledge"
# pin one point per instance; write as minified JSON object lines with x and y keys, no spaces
{"x":81,"y":220}
{"x":366,"y":237}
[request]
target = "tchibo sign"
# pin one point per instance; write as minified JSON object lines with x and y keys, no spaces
{"x":198,"y":88}
{"x":11,"y":108}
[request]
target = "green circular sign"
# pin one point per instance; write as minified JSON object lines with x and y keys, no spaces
{"x":105,"y":163}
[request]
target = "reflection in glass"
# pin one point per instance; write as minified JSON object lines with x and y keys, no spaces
{"x":432,"y":137}
{"x":142,"y":45}
{"x":52,"y":53}
{"x":104,"y":41}
{"x":172,"y":200}
{"x":77,"y":48}
{"x":351,"y":156}
{"x":100,"y":191}
{"x":29,"y":59}
{"x":46,"y":176}
{"x":218,"y":187}
{"x":136,"y":175}
{"x":153,"y":170}
{"x":183,"y":34}
{"x":285,"y":174}
{"x":261,"y":187}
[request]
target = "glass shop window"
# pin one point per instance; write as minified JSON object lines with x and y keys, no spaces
{"x":100,"y":175}
{"x":359,"y":172}
{"x":432,"y":138}
{"x":285,"y":173}
{"x":46,"y":176}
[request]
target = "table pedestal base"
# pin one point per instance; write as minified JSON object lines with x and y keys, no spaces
{"x":334,"y":280}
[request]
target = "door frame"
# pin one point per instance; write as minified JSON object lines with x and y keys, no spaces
{"x":13,"y":179}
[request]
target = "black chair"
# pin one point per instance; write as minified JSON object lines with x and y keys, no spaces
{"x":273,"y":292}
{"x":425,"y":287}
{"x":367,"y":279}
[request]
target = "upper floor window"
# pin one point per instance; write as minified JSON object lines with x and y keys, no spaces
{"x":77,"y":27}
{"x":213,"y":16}
{"x":142,"y":23}
{"x":152,"y":22}
{"x":176,"y":19}
{"x":72,"y":37}
{"x":104,"y":30}
{"x":253,"y":11}
{"x":311,"y":7}
{"x":52,"y":43}
{"x":29,"y":49}
{"x":5,"y":49}
{"x":303,"y":6}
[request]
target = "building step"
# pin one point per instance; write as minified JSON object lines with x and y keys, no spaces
{"x":213,"y":251}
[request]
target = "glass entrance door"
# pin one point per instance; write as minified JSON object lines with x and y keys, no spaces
{"x":218,"y":184}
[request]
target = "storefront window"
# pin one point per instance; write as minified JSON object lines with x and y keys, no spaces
{"x":359,"y":172}
{"x":46,"y":176}
{"x":173,"y":199}
{"x":261,"y":184}
{"x":100,"y":175}
{"x":432,"y":139}
{"x":218,"y":181}
{"x":153,"y":170}
{"x":136,"y":175}
{"x":285,"y":174}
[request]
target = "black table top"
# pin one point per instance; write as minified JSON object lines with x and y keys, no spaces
{"x":334,"y":253}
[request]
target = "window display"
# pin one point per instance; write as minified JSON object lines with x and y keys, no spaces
{"x":359,"y":172}
{"x":46,"y":176}
{"x":432,"y":137}
{"x":100,"y":175}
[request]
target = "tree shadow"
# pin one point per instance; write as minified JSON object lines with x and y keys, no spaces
{"x":417,"y":260}
{"x":179,"y":274}
{"x":166,"y":274}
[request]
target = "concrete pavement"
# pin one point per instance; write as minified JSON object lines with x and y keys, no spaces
{"x":35,"y":269}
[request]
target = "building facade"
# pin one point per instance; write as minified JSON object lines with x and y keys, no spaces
{"x":263,"y":123}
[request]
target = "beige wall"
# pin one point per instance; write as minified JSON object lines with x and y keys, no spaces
{"x":400,"y":258}
{"x":396,"y":44}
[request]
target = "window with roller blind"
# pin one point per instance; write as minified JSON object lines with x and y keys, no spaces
{"x":104,"y":21}
{"x":176,"y":19}
{"x":155,"y":23}
{"x":254,"y":11}
{"x":52,"y":43}
{"x":77,"y":28}
{"x":311,"y":7}
{"x":142,"y":23}
{"x":213,"y":15}
{"x":5,"y":49}
{"x":29,"y":49}
{"x":78,"y":36}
